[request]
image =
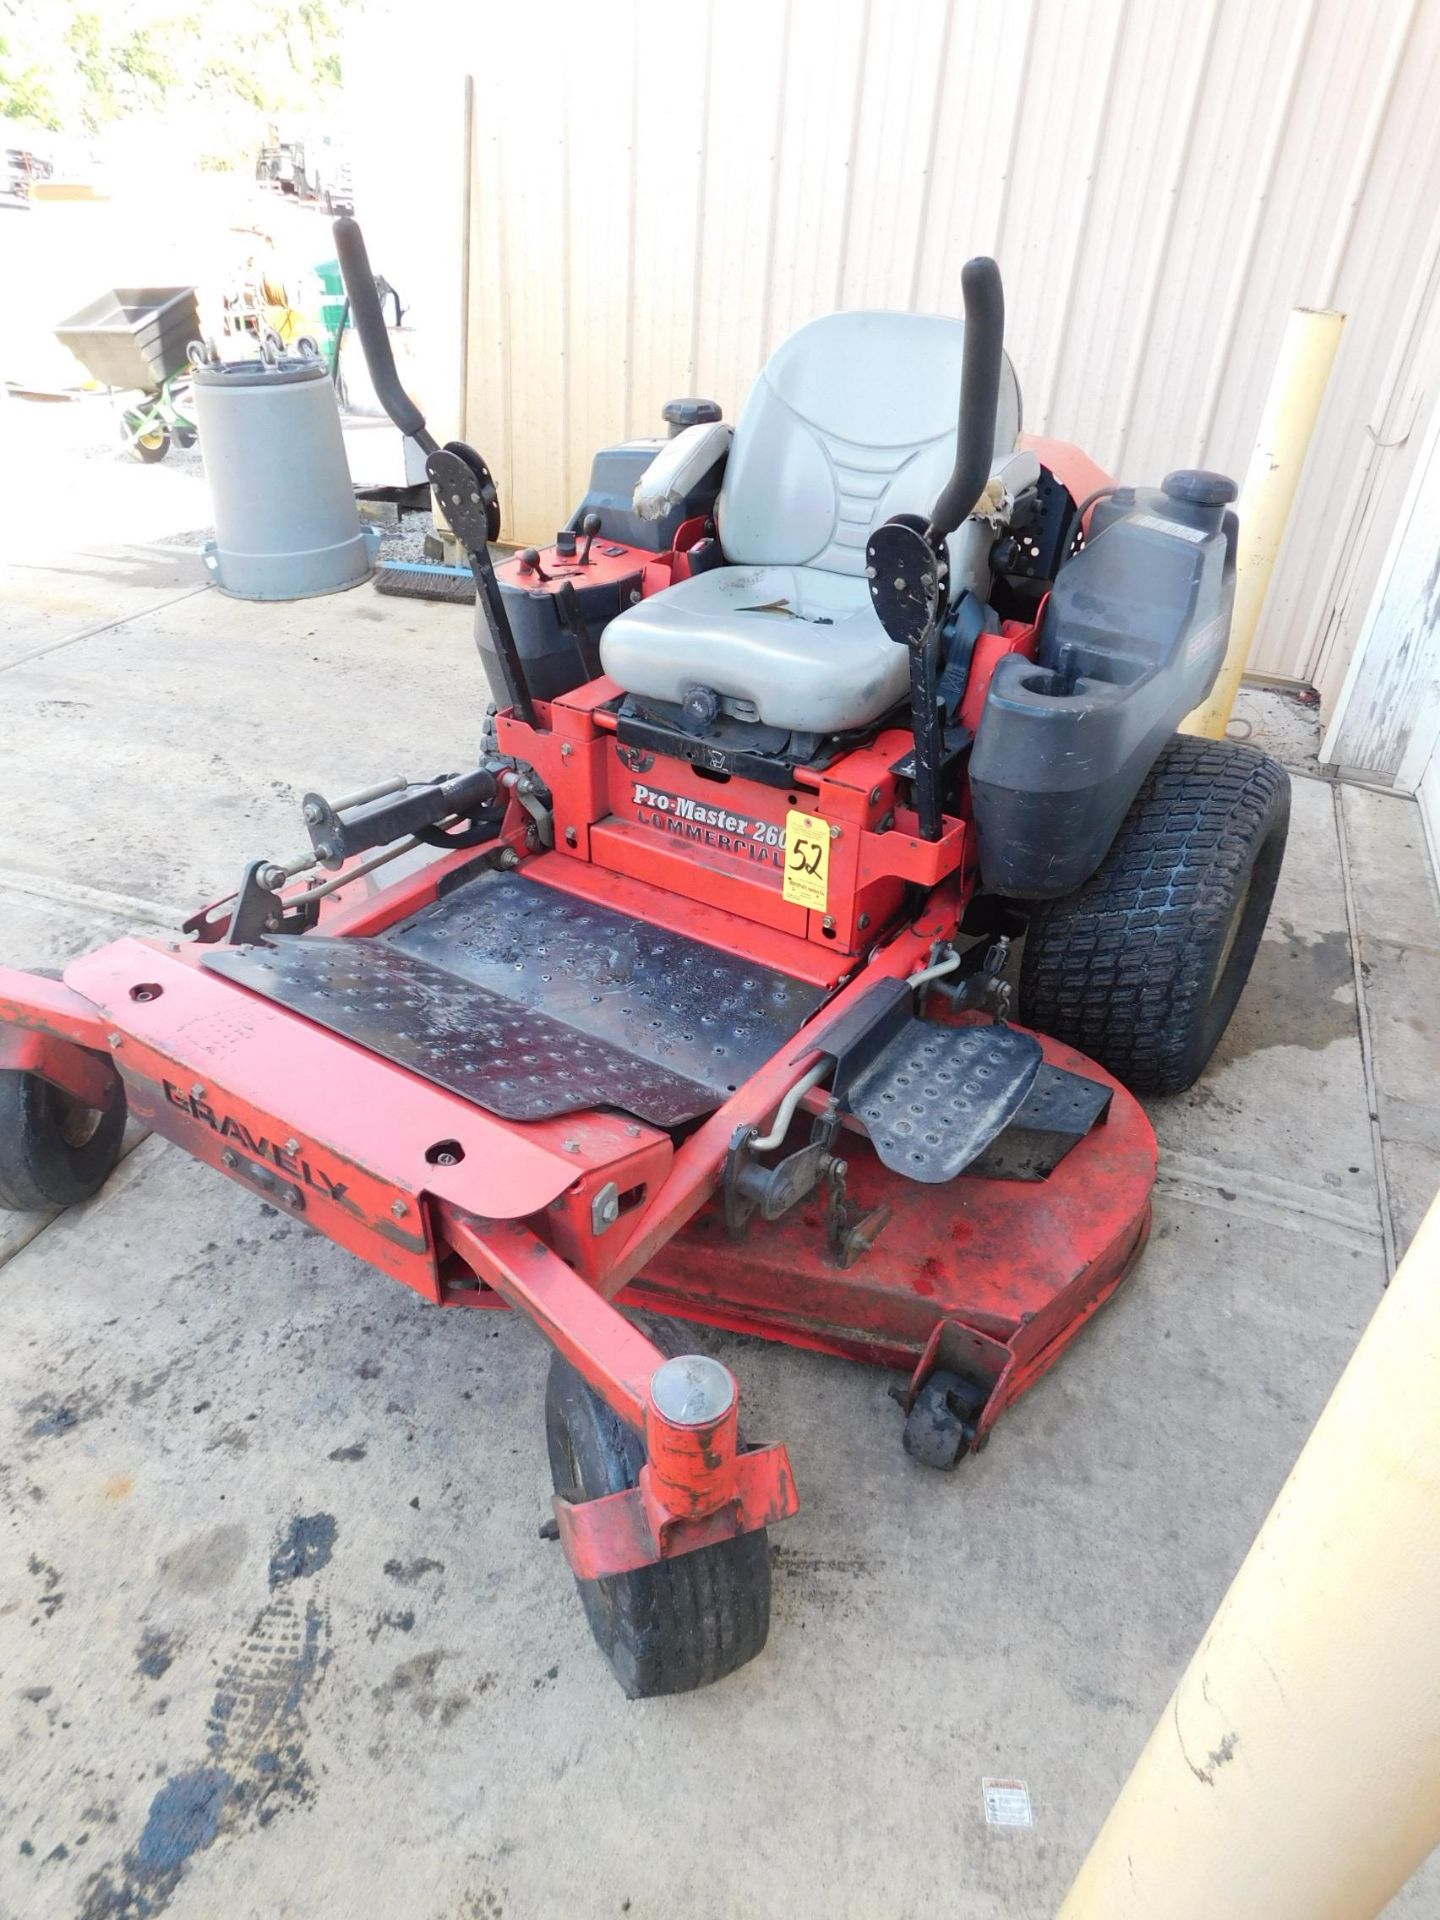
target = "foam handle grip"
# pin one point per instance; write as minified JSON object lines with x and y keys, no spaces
{"x":979,"y":394}
{"x":369,"y":321}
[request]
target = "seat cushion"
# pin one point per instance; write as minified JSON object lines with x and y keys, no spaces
{"x":793,"y":647}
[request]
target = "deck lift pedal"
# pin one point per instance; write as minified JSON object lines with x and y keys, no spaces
{"x":693,"y":996}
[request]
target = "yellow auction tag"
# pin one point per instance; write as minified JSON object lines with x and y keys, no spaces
{"x":807,"y":861}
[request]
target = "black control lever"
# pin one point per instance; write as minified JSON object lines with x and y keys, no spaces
{"x":589,"y":526}
{"x":905,"y":556}
{"x":980,"y":369}
{"x":460,"y":479}
{"x":571,"y":617}
{"x":369,"y":319}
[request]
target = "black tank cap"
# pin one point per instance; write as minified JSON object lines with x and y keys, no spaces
{"x":1198,"y":488}
{"x":690,"y":413}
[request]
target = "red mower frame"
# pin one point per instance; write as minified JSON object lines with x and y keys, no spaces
{"x":993,"y":1280}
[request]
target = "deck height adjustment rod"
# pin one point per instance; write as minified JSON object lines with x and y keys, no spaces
{"x":393,"y":810}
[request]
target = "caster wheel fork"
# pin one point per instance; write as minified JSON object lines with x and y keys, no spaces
{"x":680,"y":1623}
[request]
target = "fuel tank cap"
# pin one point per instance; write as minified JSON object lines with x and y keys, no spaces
{"x":1199,"y":488}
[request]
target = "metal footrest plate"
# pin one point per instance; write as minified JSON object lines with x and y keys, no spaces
{"x":1058,"y":1112}
{"x":532,"y":1003}
{"x":934,"y":1097}
{"x":710,"y":1016}
{"x":510,"y":1060}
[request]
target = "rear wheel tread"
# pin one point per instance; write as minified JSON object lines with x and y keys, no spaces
{"x":1126,"y":968}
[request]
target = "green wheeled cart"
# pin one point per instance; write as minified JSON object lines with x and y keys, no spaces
{"x":137,"y":340}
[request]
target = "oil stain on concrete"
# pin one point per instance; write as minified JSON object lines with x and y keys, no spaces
{"x":1306,"y":985}
{"x":51,"y":1597}
{"x":413,"y":1684}
{"x":304,"y":1550}
{"x":156,"y":1653}
{"x":254,"y":1767}
{"x":184,"y":1817}
{"x":54,"y":1418}
{"x":207,"y":1561}
{"x":407,"y":1573}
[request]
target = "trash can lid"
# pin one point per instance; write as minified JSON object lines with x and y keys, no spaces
{"x":288,"y":370}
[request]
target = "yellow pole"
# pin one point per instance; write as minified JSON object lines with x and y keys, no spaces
{"x":1297,"y":388}
{"x":1295,"y":1774}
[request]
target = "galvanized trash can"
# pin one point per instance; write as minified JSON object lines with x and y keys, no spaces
{"x":286,"y":524}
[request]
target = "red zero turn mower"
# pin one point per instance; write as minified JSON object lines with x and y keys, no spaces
{"x":692,"y":995}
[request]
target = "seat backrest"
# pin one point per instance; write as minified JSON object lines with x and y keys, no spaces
{"x":852,"y":419}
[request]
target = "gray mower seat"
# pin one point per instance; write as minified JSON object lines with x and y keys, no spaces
{"x":852,"y":420}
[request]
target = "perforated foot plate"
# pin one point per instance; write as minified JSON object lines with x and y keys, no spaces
{"x":532,"y":1003}
{"x":709,"y":1016}
{"x":934,"y":1097}
{"x":510,"y":1060}
{"x":1059,"y":1111}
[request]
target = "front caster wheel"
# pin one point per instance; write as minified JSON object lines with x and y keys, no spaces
{"x":683,"y":1623}
{"x":940,"y":1426}
{"x":54,"y":1152}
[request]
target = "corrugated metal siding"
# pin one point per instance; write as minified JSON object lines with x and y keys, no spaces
{"x":1388,"y":717}
{"x":662,"y":193}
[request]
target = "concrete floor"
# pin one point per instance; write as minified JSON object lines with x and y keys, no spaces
{"x":277,"y":1634}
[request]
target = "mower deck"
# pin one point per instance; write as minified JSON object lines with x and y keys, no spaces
{"x":1011,"y":1269}
{"x":533,"y":1003}
{"x":504,"y":1090}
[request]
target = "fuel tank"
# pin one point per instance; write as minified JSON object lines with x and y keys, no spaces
{"x":1132,"y":637}
{"x":608,"y":573}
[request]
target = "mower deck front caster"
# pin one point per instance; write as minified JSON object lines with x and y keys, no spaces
{"x":54,"y":1150}
{"x":940,"y":1426}
{"x":681,"y":1623}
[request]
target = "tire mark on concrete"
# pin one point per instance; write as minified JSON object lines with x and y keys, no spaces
{"x":254,"y":1767}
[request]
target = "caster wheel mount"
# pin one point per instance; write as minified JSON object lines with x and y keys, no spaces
{"x":683,"y":1623}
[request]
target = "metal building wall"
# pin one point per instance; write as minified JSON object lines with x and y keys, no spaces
{"x":660,"y":193}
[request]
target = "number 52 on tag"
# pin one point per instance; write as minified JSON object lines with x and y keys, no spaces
{"x":807,"y":861}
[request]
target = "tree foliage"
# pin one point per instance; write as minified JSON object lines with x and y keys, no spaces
{"x":79,"y":66}
{"x":24,"y":87}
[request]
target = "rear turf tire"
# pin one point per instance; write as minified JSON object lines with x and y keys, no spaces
{"x":1141,"y":967}
{"x":684,"y":1623}
{"x":54,"y":1152}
